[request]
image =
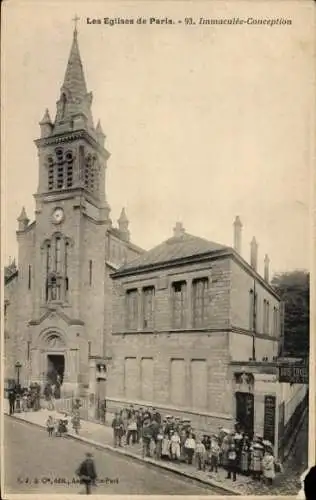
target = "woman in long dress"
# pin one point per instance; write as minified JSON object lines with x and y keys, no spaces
{"x":165,"y":447}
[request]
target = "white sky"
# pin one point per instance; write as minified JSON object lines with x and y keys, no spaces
{"x":202,"y":122}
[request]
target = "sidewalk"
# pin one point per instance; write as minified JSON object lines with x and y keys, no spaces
{"x":100,"y":436}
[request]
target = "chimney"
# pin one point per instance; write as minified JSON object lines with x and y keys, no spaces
{"x":266,"y":267}
{"x":254,"y":253}
{"x":178,"y":230}
{"x":237,"y":234}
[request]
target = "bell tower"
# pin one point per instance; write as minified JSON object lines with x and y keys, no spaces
{"x":72,"y":156}
{"x":70,"y":231}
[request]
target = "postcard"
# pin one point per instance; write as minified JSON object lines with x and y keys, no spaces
{"x":157,"y":198}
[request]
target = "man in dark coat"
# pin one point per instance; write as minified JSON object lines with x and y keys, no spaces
{"x":118,"y":429}
{"x":87,"y":473}
{"x":146,"y":437}
{"x":12,"y":397}
{"x":156,"y":416}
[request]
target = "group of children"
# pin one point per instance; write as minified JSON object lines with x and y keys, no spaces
{"x":59,"y":427}
{"x":173,"y":438}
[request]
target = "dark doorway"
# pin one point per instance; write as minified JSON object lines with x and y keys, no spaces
{"x":55,"y":371}
{"x":245,"y":412}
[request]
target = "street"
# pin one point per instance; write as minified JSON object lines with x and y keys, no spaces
{"x":35,"y":463}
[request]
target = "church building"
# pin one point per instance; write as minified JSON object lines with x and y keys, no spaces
{"x":58,"y":297}
{"x":189,"y":327}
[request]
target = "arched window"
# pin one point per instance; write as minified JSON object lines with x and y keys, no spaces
{"x":57,"y":255}
{"x":56,"y":262}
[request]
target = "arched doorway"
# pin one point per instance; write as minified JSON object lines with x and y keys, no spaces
{"x":54,"y":362}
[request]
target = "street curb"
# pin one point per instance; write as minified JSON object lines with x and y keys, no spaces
{"x":149,"y":461}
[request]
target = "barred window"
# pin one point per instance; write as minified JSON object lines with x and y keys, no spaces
{"x":69,"y":168}
{"x":148,"y":307}
{"x":200,"y":301}
{"x":91,"y":174}
{"x":178,"y":304}
{"x":51,"y":183}
{"x":60,"y":170}
{"x":132,"y":309}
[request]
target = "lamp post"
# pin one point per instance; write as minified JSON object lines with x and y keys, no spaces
{"x":18,"y":366}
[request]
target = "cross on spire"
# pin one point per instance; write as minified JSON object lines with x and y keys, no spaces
{"x":75,"y":20}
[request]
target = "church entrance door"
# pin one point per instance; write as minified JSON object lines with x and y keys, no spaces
{"x":55,"y":371}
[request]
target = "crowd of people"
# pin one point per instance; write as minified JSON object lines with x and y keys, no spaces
{"x":173,"y":438}
{"x":24,"y":398}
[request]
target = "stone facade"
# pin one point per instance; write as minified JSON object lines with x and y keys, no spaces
{"x":58,"y":300}
{"x":193,"y":370}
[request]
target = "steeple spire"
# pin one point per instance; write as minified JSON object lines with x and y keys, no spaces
{"x":23,"y":220}
{"x":123,"y":223}
{"x":74,"y":80}
{"x":74,"y":105}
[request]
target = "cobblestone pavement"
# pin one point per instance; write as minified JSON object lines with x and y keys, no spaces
{"x":286,"y":483}
{"x":37,"y":464}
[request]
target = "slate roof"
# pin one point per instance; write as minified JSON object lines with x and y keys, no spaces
{"x":177,"y":247}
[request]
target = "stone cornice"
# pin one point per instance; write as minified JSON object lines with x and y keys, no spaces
{"x":258,"y":335}
{"x":68,"y":193}
{"x":192,"y":259}
{"x":69,"y":137}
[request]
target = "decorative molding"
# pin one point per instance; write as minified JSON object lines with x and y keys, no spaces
{"x":243,"y":331}
{"x":65,"y":137}
{"x":173,"y":331}
{"x":55,"y":312}
{"x":202,"y":257}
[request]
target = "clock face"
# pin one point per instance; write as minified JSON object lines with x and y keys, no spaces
{"x":58,"y":215}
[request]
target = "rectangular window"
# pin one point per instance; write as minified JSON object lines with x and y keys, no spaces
{"x":28,"y":350}
{"x":264,"y":326}
{"x":199,"y":383}
{"x":251,"y":310}
{"x":90,"y":272}
{"x":268,"y":317}
{"x":132,"y":309}
{"x":148,"y":307}
{"x":30,"y":278}
{"x":131,"y":378}
{"x":178,"y":304}
{"x":177,"y":382}
{"x":147,"y":379}
{"x":200,"y":300}
{"x":89,"y":348}
{"x":48,"y":261}
{"x":274,"y":321}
